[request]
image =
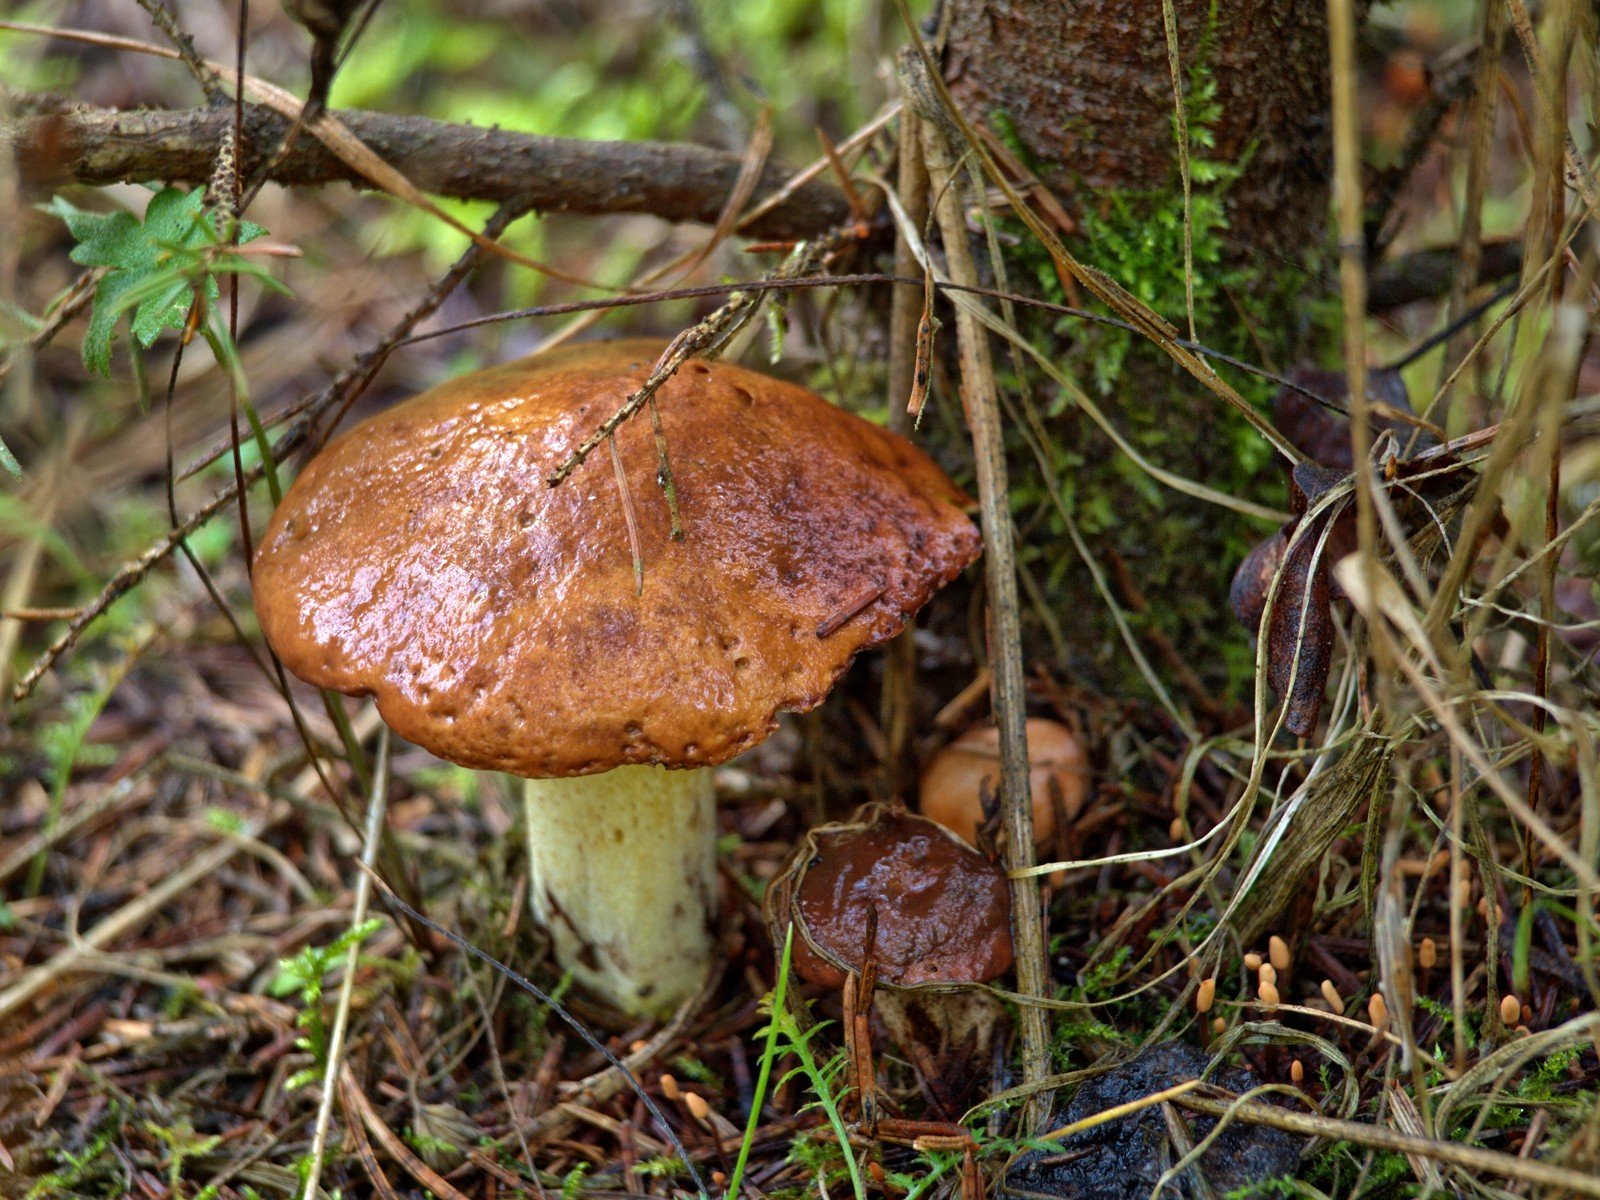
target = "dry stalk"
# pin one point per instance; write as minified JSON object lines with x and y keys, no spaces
{"x":981,"y":404}
{"x":1473,"y":1159}
{"x":372,"y":837}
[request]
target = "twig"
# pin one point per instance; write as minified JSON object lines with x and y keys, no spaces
{"x":1450,"y":80}
{"x":676,"y":182}
{"x":132,"y":914}
{"x":905,"y":314}
{"x":359,"y":1107}
{"x":606,"y":1083}
{"x":26,"y":559}
{"x":1169,"y":21}
{"x":1469,"y":1158}
{"x":69,"y":823}
{"x":161,"y":17}
{"x":704,"y":339}
{"x":1471,"y":252}
{"x":619,"y":1072}
{"x":1430,"y":273}
{"x":67,"y":306}
{"x":982,"y":407}
{"x":377,"y":802}
{"x":1348,"y":195}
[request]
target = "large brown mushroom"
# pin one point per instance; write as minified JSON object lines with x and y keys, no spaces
{"x":423,"y":559}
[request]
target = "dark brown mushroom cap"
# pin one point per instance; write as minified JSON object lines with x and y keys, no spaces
{"x":943,"y":911}
{"x":422,"y":559}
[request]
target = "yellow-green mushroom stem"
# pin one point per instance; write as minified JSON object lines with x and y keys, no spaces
{"x":622,"y":872}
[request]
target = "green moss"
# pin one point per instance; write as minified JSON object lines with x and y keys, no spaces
{"x":1179,"y":551}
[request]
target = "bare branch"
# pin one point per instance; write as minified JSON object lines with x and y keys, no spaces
{"x":675,"y":181}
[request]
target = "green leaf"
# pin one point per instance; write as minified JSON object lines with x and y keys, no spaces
{"x":103,"y":321}
{"x":168,"y":308}
{"x":154,"y":265}
{"x":174,"y":218}
{"x":100,"y":236}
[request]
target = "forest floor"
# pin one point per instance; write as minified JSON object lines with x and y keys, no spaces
{"x":190,"y":950}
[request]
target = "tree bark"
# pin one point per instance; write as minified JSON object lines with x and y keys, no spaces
{"x":1086,"y":87}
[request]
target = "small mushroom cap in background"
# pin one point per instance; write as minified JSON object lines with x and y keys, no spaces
{"x":422,"y":559}
{"x":952,"y":786}
{"x":943,"y":911}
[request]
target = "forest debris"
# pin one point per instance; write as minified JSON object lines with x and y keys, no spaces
{"x":1126,"y":1158}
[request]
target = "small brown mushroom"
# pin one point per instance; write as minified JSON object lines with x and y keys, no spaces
{"x":958,"y":777}
{"x":929,"y":914}
{"x":422,"y":559}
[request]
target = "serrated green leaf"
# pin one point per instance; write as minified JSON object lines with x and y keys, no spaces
{"x":167,"y":309}
{"x":97,"y":234}
{"x":103,"y":318}
{"x":155,"y":265}
{"x":112,"y":242}
{"x":174,"y":218}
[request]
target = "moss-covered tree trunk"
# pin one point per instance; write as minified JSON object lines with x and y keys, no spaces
{"x":1083,"y":90}
{"x":1086,"y":86}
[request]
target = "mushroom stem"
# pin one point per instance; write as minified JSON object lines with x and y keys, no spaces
{"x":948,"y":1034}
{"x":622,"y":872}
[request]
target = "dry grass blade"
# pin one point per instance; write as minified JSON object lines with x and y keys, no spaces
{"x":1169,"y":23}
{"x":371,"y":838}
{"x":1472,"y":1159}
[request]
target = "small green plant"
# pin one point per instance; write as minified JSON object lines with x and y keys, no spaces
{"x":692,"y":1068}
{"x":663,"y":1166}
{"x":784,"y":1036}
{"x":81,"y":1168}
{"x":1094,"y":984}
{"x":64,"y":745}
{"x":155,"y":267}
{"x":1264,"y":1189}
{"x":306,"y":973}
{"x":430,"y":1146}
{"x":181,"y":1143}
{"x":572,"y":1182}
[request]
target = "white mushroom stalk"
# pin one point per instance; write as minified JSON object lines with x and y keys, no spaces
{"x":622,"y":872}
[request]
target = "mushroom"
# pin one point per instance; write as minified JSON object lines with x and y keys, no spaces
{"x":958,"y":778}
{"x":423,"y":560}
{"x":929,"y":915}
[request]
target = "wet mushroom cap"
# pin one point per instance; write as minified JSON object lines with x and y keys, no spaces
{"x":423,"y":560}
{"x":943,"y":911}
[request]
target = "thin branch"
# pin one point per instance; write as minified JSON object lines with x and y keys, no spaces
{"x":677,"y":182}
{"x":1431,"y":273}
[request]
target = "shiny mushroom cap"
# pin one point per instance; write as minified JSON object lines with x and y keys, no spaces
{"x":422,"y":559}
{"x":942,"y":910}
